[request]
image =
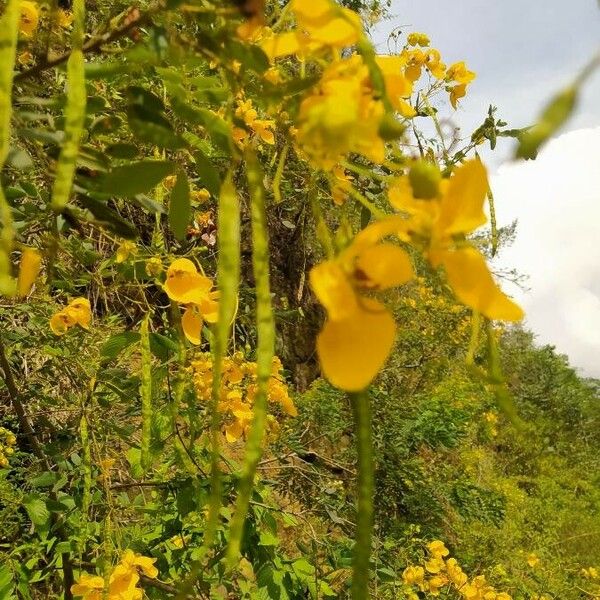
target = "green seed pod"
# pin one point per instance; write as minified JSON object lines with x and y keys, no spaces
{"x":390,"y":128}
{"x":425,"y":178}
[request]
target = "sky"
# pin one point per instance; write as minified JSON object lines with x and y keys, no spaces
{"x":523,"y":52}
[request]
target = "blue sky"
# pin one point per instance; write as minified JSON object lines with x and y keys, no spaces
{"x":524,"y":51}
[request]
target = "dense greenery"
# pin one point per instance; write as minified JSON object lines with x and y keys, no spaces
{"x":179,"y":200}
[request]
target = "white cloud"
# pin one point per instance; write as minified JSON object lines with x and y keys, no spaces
{"x":556,"y":200}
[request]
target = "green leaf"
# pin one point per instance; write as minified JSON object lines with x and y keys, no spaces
{"x":162,"y":347}
{"x":115,"y":344}
{"x":37,"y":510}
{"x":136,"y":178}
{"x":19,"y":159}
{"x":250,"y":55}
{"x":268,"y":539}
{"x":153,"y":128}
{"x":6,"y":583}
{"x":180,"y":209}
{"x":207,"y":173}
{"x":120,"y":150}
{"x":46,"y":479}
{"x":105,"y":217}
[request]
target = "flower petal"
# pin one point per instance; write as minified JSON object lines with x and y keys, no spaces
{"x":462,"y":204}
{"x":474,"y":285}
{"x":31,"y":261}
{"x":191,"y":322}
{"x":60,"y":323}
{"x":333,"y":290}
{"x":188,"y":288}
{"x":384,"y":266}
{"x":353,"y":350}
{"x":181,"y":265}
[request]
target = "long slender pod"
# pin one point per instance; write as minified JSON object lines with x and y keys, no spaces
{"x":9,"y":24}
{"x":74,"y":113}
{"x":264,"y":352}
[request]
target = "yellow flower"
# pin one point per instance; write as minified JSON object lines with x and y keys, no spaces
{"x":533,"y":560}
{"x":30,"y":16}
{"x":123,"y":583}
{"x":417,"y":39}
{"x":456,"y":210}
{"x":125,"y":250}
{"x":185,"y":285}
{"x":590,"y":573}
{"x":131,"y":559}
{"x":455,"y":574}
{"x":321,"y":24}
{"x":435,"y":565}
{"x":201,"y":195}
{"x":64,"y":17}
{"x":262,"y":128}
{"x":89,"y":587}
{"x":438,"y":549}
{"x":459,"y":73}
{"x":413,"y":575}
{"x":25,"y":58}
{"x":456,"y":93}
{"x":154,"y":266}
{"x":78,"y":312}
{"x":341,"y":116}
{"x":436,"y":583}
{"x":359,"y":332}
{"x":398,"y":86}
{"x":31,"y":261}
{"x":433,"y":61}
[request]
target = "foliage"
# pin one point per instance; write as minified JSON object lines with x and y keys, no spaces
{"x":183,"y":187}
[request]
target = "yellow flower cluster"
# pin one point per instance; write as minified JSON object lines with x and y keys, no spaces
{"x":7,"y":442}
{"x":591,"y":573}
{"x":78,"y":312}
{"x":440,"y":572}
{"x":238,"y":390}
{"x":247,"y":115}
{"x":123,"y":581}
{"x":456,"y":76}
{"x":185,"y":285}
{"x":30,"y":18}
{"x":436,"y":215}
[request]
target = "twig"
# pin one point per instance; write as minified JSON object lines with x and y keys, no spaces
{"x":133,"y":19}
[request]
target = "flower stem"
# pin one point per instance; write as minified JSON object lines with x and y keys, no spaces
{"x":366,"y":485}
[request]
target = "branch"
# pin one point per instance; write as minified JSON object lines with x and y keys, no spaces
{"x":19,"y":408}
{"x":133,"y":19}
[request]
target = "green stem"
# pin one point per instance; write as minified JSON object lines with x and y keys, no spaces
{"x":366,"y":488}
